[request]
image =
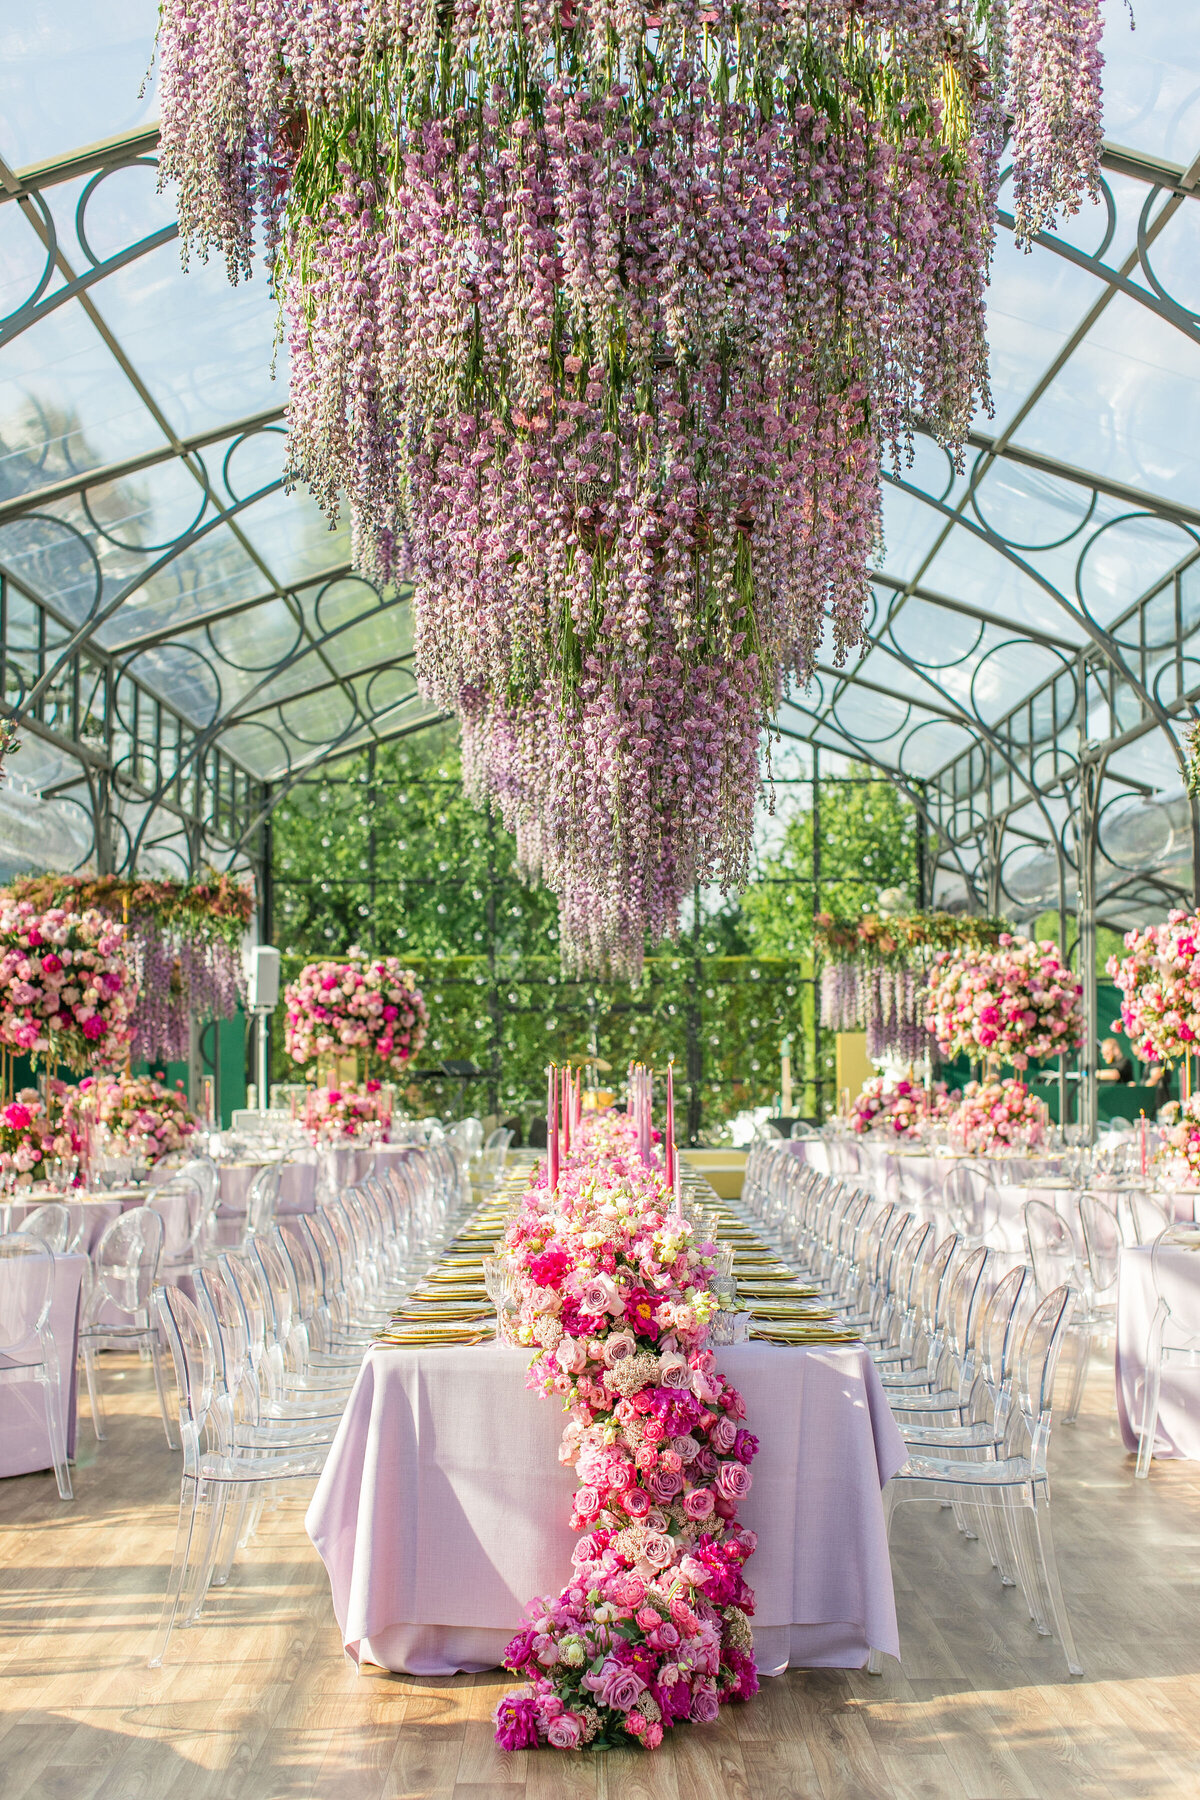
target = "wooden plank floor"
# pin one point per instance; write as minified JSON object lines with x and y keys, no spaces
{"x":259,"y":1704}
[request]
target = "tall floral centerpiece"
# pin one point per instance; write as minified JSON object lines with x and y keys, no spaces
{"x":67,"y":988}
{"x":1017,"y":1003}
{"x":601,"y":321}
{"x":1181,"y":1139}
{"x":995,"y":1117}
{"x":184,"y":942}
{"x":368,"y":1004}
{"x":614,"y":1293}
{"x":1159,"y":982}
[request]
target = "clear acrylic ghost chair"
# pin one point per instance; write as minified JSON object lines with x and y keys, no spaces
{"x":1173,"y":1342}
{"x":27,"y":1348}
{"x":493,"y":1156}
{"x":50,"y":1223}
{"x":969,"y":1310}
{"x":117,"y":1311}
{"x":180,"y":1202}
{"x":1054,"y":1257}
{"x":1015,"y":1484}
{"x":216,"y":1469}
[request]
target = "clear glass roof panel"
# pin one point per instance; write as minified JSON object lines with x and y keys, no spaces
{"x":1152,"y":78}
{"x":70,"y":73}
{"x":1118,"y":407}
{"x":203,"y":348}
{"x":290,"y":532}
{"x":65,"y":404}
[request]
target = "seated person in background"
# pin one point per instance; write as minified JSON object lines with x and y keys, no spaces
{"x":1119,"y":1067}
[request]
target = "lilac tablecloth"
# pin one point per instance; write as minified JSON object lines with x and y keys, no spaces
{"x":297,"y":1187}
{"x":1179,"y":1397}
{"x":24,"y":1443}
{"x":443,"y":1506}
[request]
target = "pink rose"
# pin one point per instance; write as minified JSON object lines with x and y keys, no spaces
{"x":647,"y":1619}
{"x":658,"y":1550}
{"x":699,"y":1503}
{"x":565,"y":1732}
{"x":694,"y":1573}
{"x":673,"y":1372}
{"x":636,"y":1503}
{"x":723,"y":1434}
{"x":618,"y":1686}
{"x":734,"y":1480}
{"x":705,"y":1705}
{"x":663,"y":1484}
{"x":587,"y":1502}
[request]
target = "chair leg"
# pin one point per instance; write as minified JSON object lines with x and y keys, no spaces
{"x":1018,"y":1522}
{"x":997,"y":1546}
{"x":95,"y":1401}
{"x":1149,"y":1429}
{"x":189,"y":1503}
{"x":1044,"y":1540}
{"x":160,"y":1384}
{"x":217,"y":1508}
{"x":54,"y":1424}
{"x":1081,"y":1342}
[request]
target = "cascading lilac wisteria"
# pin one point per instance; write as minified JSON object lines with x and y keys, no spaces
{"x":181,"y":975}
{"x":601,"y":318}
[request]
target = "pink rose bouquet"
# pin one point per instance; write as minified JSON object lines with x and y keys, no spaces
{"x":140,"y":1112}
{"x":1017,"y":1002}
{"x":996,"y":1116}
{"x":67,"y":987}
{"x":29,"y":1137}
{"x":613,"y":1297}
{"x":1159,"y":979}
{"x":365,"y":1003}
{"x":901,"y":1110}
{"x":1181,"y":1136}
{"x":346,"y":1114}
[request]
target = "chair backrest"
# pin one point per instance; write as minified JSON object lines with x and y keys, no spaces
{"x":1051,"y":1246}
{"x":26,"y":1289}
{"x":1000,"y":1324}
{"x":179,"y":1200}
{"x":190,"y":1341}
{"x":126,"y":1259}
{"x":219,"y":1299}
{"x":1145,"y":1218}
{"x":262,"y":1197}
{"x":964,"y":1303}
{"x":468,"y":1133}
{"x":1101,"y":1242}
{"x":499,"y":1139}
{"x":935,"y":1280}
{"x":972,"y":1202}
{"x":1034,"y":1368}
{"x":1170,"y":1269}
{"x":51,"y":1223}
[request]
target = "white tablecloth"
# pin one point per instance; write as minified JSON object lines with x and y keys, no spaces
{"x":24,"y":1442}
{"x":443,"y":1507}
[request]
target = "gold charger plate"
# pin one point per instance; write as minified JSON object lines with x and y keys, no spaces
{"x":781,"y":1334}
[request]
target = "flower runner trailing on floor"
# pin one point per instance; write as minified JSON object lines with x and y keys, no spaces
{"x":615,"y":1297}
{"x":603,"y":318}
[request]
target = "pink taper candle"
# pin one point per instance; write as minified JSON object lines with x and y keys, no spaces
{"x":552,"y":1127}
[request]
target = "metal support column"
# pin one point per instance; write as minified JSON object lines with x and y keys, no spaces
{"x":818,"y":1082}
{"x":1091,"y":774}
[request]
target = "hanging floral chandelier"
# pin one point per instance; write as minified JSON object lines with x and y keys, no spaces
{"x":601,"y":319}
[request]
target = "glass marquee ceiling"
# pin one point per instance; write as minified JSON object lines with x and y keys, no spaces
{"x":181,"y":631}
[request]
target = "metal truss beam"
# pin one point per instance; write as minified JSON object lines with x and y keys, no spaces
{"x":104,"y":154}
{"x":171,"y":633}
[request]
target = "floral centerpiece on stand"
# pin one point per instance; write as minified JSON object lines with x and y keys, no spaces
{"x":346,"y":1115}
{"x":1159,"y":982}
{"x":613,"y":1296}
{"x":902,"y":1110}
{"x":998,"y":1116}
{"x":67,"y":991}
{"x":1017,"y":1003}
{"x":1180,"y":1125}
{"x":136,"y":1113}
{"x":372,"y":1004}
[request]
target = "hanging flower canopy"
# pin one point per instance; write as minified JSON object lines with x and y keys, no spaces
{"x":184,"y":939}
{"x":601,"y":319}
{"x":875,"y":970}
{"x":1017,"y":1003}
{"x":1159,"y":981}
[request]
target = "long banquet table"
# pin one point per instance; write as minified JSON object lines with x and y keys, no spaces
{"x":443,"y":1507}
